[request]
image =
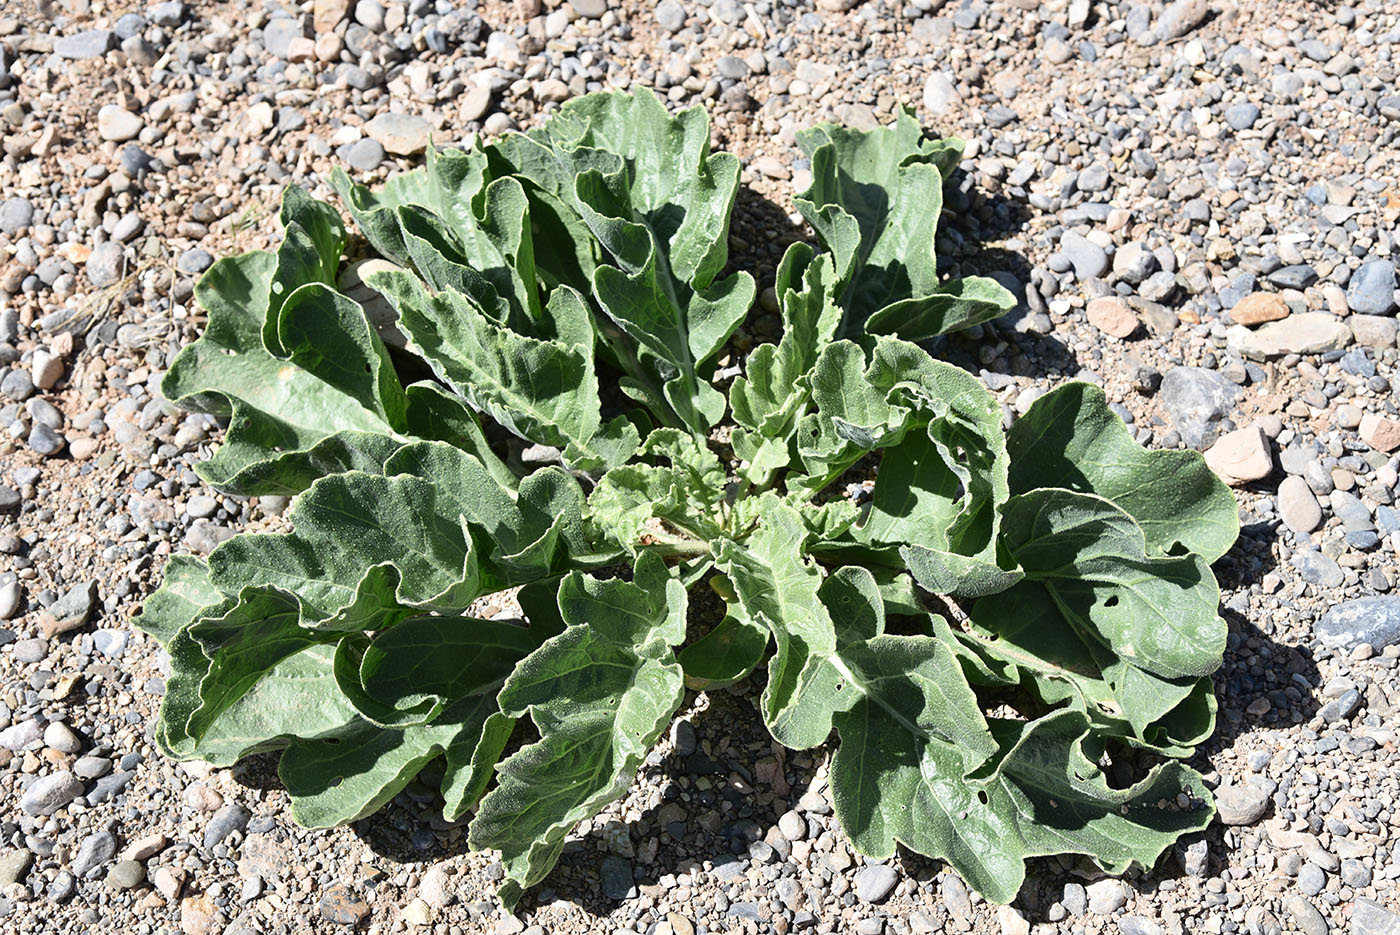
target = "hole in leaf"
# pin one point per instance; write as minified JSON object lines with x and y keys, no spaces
{"x":1112,"y":601}
{"x":982,"y":797}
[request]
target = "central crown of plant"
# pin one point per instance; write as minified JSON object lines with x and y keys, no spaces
{"x":569,"y":285}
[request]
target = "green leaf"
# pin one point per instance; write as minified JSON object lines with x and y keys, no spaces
{"x":684,"y":491}
{"x":1070,"y":438}
{"x":184,"y":593}
{"x":875,"y":201}
{"x":600,"y":693}
{"x":309,"y":254}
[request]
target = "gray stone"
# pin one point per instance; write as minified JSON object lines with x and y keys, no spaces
{"x":104,"y":265}
{"x":1195,"y":858}
{"x":1075,"y":899}
{"x":1089,"y":260}
{"x":1106,"y":896}
{"x":93,"y":43}
{"x":59,"y":736}
{"x":683,"y":737}
{"x":1373,"y":620}
{"x":62,"y":887}
{"x":1306,"y":916}
{"x":1137,"y":925}
{"x":18,"y":736}
{"x":370,"y":14}
{"x":1371,"y":290}
{"x":1369,"y":917}
{"x":1242,"y":116}
{"x":1355,"y":874}
{"x":194,"y":261}
{"x":14,"y":866}
{"x":225,"y":822}
{"x":126,"y":875}
{"x":616,"y":876}
{"x":1133,"y":263}
{"x":875,"y":881}
{"x":73,"y":609}
{"x":1240,"y":805}
{"x":1195,"y":400}
{"x":16,"y":385}
{"x":590,"y":9}
{"x":1373,"y":330}
{"x":168,"y":14}
{"x":1297,"y":506}
{"x":1307,"y":333}
{"x":16,"y":214}
{"x":1297,"y":276}
{"x":279,"y":33}
{"x":364,"y":155}
{"x":94,"y":853}
{"x":476,"y":103}
{"x":48,"y":794}
{"x":793,"y":825}
{"x":201,"y":506}
{"x":1318,"y":569}
{"x":1180,"y":17}
{"x":1311,"y":879}
{"x":670,"y":16}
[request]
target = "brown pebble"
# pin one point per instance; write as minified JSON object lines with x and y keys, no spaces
{"x":1258,"y":308}
{"x":1111,"y":315}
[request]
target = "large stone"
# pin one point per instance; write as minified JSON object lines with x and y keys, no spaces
{"x":1308,"y":333}
{"x":116,"y":124}
{"x":1371,"y":290}
{"x":94,"y":43}
{"x":50,"y":793}
{"x":1181,"y":17}
{"x":1380,"y":432}
{"x":875,"y":881}
{"x":1373,"y":620}
{"x":1241,"y":456}
{"x":1106,"y":897}
{"x":1374,"y":330}
{"x":279,"y":35}
{"x":402,"y":134}
{"x":1259,"y":307}
{"x":1195,"y":400}
{"x":1369,"y":917}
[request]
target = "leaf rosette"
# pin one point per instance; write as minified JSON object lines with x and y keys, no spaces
{"x":565,"y":293}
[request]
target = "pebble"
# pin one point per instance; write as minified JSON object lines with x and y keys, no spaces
{"x":226,"y":821}
{"x":875,"y":882}
{"x":1240,"y":805}
{"x":1380,"y":432}
{"x":616,"y":877}
{"x":1195,"y":400}
{"x":670,"y":15}
{"x":341,"y":905}
{"x":1298,"y":507}
{"x":60,"y":737}
{"x":1241,"y":456}
{"x":1311,"y":880}
{"x":793,"y":825}
{"x":365,"y":155}
{"x":1369,"y":917}
{"x":92,"y":43}
{"x":117,"y":125}
{"x":104,"y":265}
{"x":1306,"y":916}
{"x":400,"y":134}
{"x":1137,"y":925}
{"x":94,"y":853}
{"x":48,"y":794}
{"x":14,"y":866}
{"x":1090,"y":261}
{"x":126,"y":875}
{"x":16,"y":214}
{"x":1259,"y":307}
{"x":1106,"y":896}
{"x":1111,"y":315}
{"x":1371,"y":290}
{"x":940,"y":93}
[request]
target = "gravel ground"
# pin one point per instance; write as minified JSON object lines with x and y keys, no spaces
{"x":1197,"y":200}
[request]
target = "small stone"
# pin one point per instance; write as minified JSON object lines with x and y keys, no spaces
{"x":1195,"y":399}
{"x":328,"y":14}
{"x":1242,"y":116}
{"x":590,"y":9}
{"x":1318,"y":569}
{"x":418,"y":913}
{"x":1311,"y":879}
{"x":616,"y":876}
{"x":1137,"y":925}
{"x":1308,"y":333}
{"x":145,"y":848}
{"x":1298,"y":276}
{"x":1380,"y":432}
{"x":10,"y":598}
{"x":44,"y":440}
{"x":1090,"y":261}
{"x":1133,"y":263}
{"x":1259,"y":307}
{"x":940,"y":93}
{"x":339,"y":904}
{"x":476,"y":103}
{"x":1195,"y":858}
{"x":875,"y":882}
{"x":365,"y":155}
{"x":670,"y":16}
{"x":433,"y":890}
{"x":95,"y":851}
{"x":16,"y":214}
{"x":116,"y":124}
{"x":1011,"y":921}
{"x":226,"y":821}
{"x":280,"y":35}
{"x":1306,"y":916}
{"x":1297,"y":506}
{"x":1075,"y":899}
{"x":126,"y":875}
{"x":1106,"y":896}
{"x":70,"y":611}
{"x":168,"y":882}
{"x":401,"y":134}
{"x":793,"y":825}
{"x":1371,"y":290}
{"x":18,"y":736}
{"x":194,"y":261}
{"x":168,"y":14}
{"x":1241,"y":456}
{"x":46,"y":369}
{"x":104,"y":264}
{"x":1111,"y":315}
{"x":1180,"y":18}
{"x":59,"y":736}
{"x":1373,"y":330}
{"x":198,"y":914}
{"x":1240,"y":805}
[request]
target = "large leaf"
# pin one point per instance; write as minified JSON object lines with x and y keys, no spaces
{"x":875,"y":201}
{"x":1070,"y":438}
{"x":600,"y":693}
{"x":680,"y":482}
{"x":185,"y":591}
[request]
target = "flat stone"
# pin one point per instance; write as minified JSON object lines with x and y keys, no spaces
{"x":1369,"y":917}
{"x":1259,"y":307}
{"x":225,"y":822}
{"x":475,"y":103}
{"x":590,"y":9}
{"x":1241,"y":456}
{"x":1372,"y":620}
{"x":279,"y":35}
{"x":1380,"y":432}
{"x":1195,"y":399}
{"x":1111,"y":315}
{"x":339,"y":904}
{"x":1297,"y":276}
{"x":401,"y":134}
{"x":116,"y":124}
{"x":93,"y":43}
{"x":875,"y":882}
{"x":1318,"y":569}
{"x":104,"y":264}
{"x":1371,"y":290}
{"x":48,"y":794}
{"x":1297,"y":506}
{"x":1374,"y":330}
{"x":70,"y":611}
{"x":1308,"y":333}
{"x":16,"y":214}
{"x":1138,"y":925}
{"x":1240,"y":805}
